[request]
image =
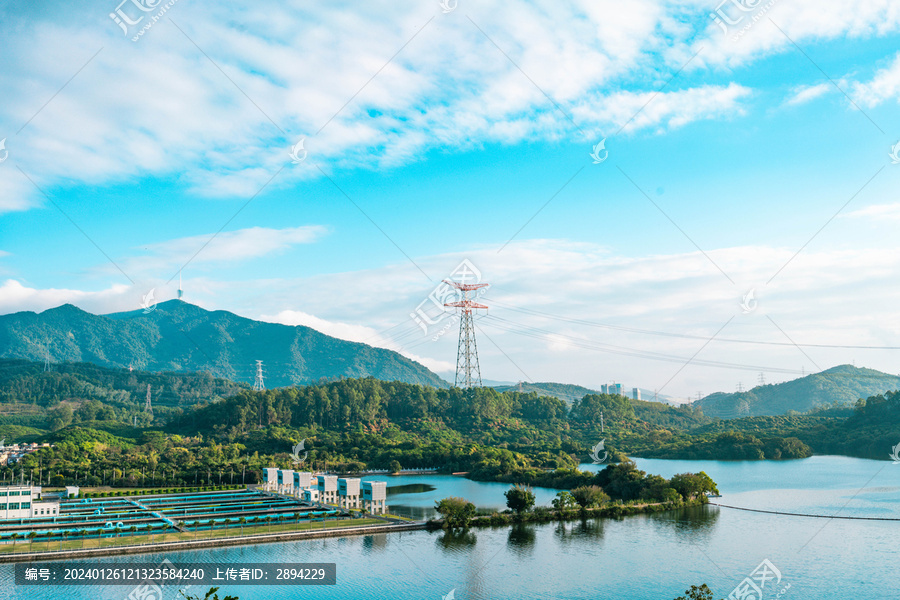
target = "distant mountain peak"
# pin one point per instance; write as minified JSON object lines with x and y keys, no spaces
{"x":842,"y":384}
{"x":179,"y":336}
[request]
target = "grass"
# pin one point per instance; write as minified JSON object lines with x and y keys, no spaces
{"x":233,"y":531}
{"x":398,"y":517}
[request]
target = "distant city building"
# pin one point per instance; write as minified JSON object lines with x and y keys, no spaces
{"x":613,"y":389}
{"x":635,"y":393}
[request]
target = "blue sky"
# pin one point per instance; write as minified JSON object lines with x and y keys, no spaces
{"x":434,"y":138}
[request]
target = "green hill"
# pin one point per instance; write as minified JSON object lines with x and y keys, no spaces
{"x":566,"y":392}
{"x":181,"y":337}
{"x":841,"y":385}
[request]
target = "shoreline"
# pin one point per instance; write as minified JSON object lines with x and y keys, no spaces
{"x":606,"y":512}
{"x":56,"y":555}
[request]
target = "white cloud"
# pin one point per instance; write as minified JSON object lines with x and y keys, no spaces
{"x":212,"y":249}
{"x":882,"y":212}
{"x":827,"y":297}
{"x":884,"y":86}
{"x":807,"y":93}
{"x":241,"y":244}
{"x":450,"y":87}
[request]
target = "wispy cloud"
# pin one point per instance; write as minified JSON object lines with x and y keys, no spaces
{"x":808,"y":93}
{"x":160,"y":259}
{"x":830,"y":297}
{"x":450,"y":88}
{"x":880,"y":212}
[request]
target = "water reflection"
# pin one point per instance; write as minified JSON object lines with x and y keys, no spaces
{"x":410,"y":488}
{"x":694,"y":519}
{"x":374,"y":542}
{"x":521,"y":538}
{"x":419,"y":513}
{"x":572,"y":531}
{"x":456,"y":539}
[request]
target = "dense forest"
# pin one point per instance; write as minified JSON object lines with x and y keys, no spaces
{"x":102,"y":434}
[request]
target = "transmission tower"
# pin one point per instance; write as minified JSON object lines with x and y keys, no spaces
{"x":762,"y":378}
{"x":258,"y":384}
{"x":468,"y":373}
{"x":147,"y":407}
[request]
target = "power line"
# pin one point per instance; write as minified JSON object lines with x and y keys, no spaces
{"x":542,"y":334}
{"x":683,"y":335}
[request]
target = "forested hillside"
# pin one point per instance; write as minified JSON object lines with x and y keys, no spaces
{"x":180,"y":337}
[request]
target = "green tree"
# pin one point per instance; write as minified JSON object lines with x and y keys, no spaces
{"x":563,"y":500}
{"x":394,"y":466}
{"x":697,"y":593}
{"x":210,"y":595}
{"x":588,"y":496}
{"x":455,"y":511}
{"x":691,"y":485}
{"x":519,"y":498}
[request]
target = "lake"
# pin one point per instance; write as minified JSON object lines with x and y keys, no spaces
{"x":646,"y":557}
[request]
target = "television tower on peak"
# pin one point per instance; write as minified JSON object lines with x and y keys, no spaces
{"x":468,"y":373}
{"x":180,"y":291}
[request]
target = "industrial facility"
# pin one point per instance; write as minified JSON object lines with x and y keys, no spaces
{"x":345,"y":492}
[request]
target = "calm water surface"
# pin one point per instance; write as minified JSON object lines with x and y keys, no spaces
{"x":647,"y":557}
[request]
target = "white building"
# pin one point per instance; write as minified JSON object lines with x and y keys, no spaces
{"x":374,"y":495}
{"x":348,"y":492}
{"x":328,"y":489}
{"x":310,"y":495}
{"x":270,"y":479}
{"x":635,"y":393}
{"x":302,"y":481}
{"x":285,"y":481}
{"x":23,"y":501}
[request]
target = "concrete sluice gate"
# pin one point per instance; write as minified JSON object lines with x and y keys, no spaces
{"x":102,"y":517}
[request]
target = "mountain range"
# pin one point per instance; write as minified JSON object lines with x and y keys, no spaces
{"x":181,"y":337}
{"x":841,"y":385}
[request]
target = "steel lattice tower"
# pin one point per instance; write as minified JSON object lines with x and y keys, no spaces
{"x":258,"y":384}
{"x":147,"y":407}
{"x":468,"y":373}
